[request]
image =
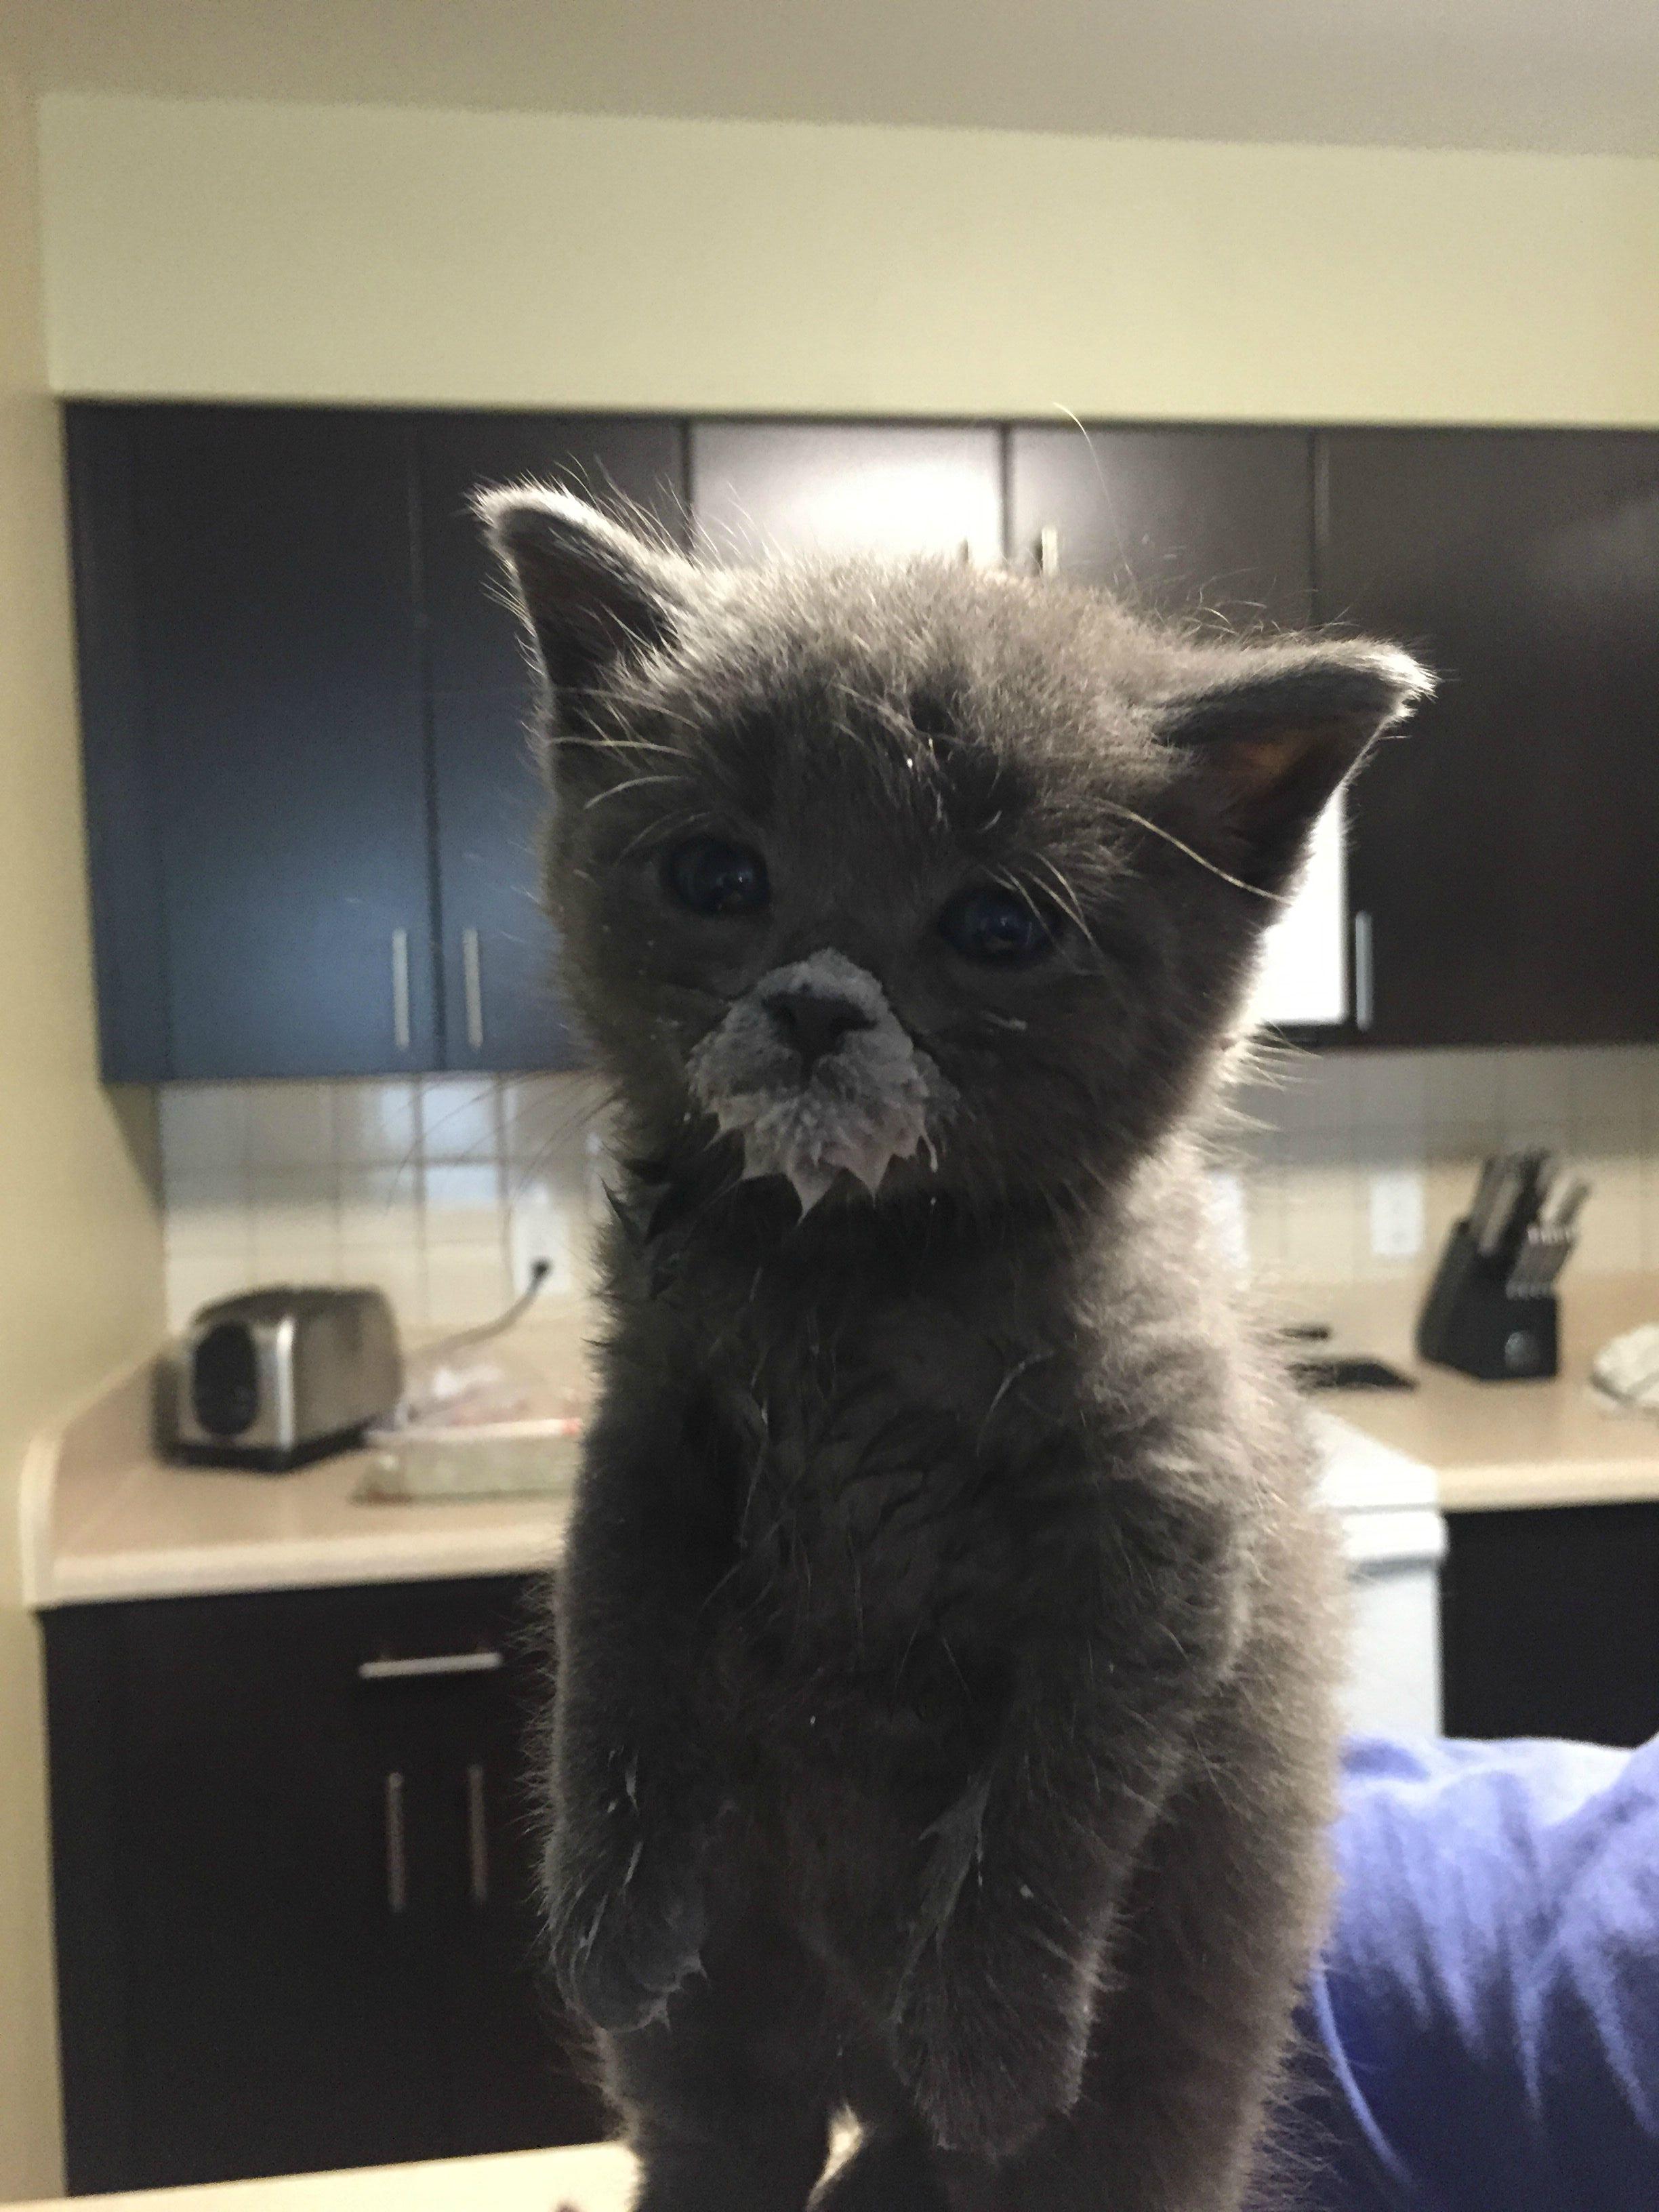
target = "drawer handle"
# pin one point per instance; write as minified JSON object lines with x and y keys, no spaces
{"x":397,"y":1857}
{"x":1365,"y":972}
{"x":444,"y":1662}
{"x":472,"y":979}
{"x":400,"y":1029}
{"x":477,"y":1836}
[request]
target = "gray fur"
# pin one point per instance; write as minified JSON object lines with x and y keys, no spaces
{"x":943,"y":1725}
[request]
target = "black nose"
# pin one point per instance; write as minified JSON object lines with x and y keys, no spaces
{"x":816,"y":1024}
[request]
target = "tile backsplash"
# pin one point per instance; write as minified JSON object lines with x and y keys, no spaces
{"x":410,"y":1185}
{"x":413,"y":1185}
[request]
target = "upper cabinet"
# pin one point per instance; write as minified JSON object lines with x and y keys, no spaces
{"x":497,"y":952}
{"x":759,"y":489}
{"x":313,"y":807}
{"x":1174,"y":518}
{"x":256,"y":767}
{"x":1183,"y":521}
{"x":1503,"y":855}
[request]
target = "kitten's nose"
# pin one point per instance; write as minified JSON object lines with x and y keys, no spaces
{"x":815,"y":1023}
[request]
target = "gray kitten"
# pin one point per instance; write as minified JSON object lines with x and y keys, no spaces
{"x":944,"y":1726}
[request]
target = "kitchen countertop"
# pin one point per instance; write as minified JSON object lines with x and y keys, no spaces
{"x":104,"y":1519}
{"x":598,"y":2178}
{"x":1498,"y":1445}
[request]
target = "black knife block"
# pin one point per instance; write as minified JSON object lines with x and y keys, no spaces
{"x":1472,"y":1322}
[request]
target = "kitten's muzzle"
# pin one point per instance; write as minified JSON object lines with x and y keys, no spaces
{"x":813,"y":1023}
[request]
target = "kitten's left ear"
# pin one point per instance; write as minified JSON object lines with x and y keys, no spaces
{"x":1279,"y":727}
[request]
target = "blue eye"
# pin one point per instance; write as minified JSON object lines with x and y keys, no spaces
{"x":993,"y":924}
{"x":711,"y":877}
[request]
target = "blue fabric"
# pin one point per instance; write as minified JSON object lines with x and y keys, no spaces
{"x":1483,"y":2035}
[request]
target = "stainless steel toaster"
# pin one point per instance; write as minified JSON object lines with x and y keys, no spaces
{"x":274,"y":1378}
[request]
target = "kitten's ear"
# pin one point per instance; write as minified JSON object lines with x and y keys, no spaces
{"x":589,"y":591}
{"x":1271,"y":736}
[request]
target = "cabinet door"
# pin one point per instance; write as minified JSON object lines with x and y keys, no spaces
{"x":1177,"y":519}
{"x":312,"y":1943}
{"x":764,"y":488}
{"x":1182,"y":521}
{"x":498,"y":952}
{"x":1503,"y":852}
{"x":280,"y":667}
{"x":1550,"y":1623}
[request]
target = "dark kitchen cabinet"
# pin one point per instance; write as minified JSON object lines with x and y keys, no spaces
{"x":765,"y":489}
{"x":1503,"y":854}
{"x":497,"y":951}
{"x":1174,"y":518}
{"x":1550,"y":1623}
{"x":293,"y":1841}
{"x":256,"y":759}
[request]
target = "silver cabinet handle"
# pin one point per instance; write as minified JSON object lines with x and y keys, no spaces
{"x":396,"y":1857}
{"x":442,"y":1662}
{"x":1363,"y":974}
{"x":400,"y":989}
{"x":473,"y":983}
{"x":477,"y":1836}
{"x":1047,"y":551}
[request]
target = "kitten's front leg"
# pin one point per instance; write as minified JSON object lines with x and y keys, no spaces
{"x":1029,"y":1867}
{"x":634,"y":1794}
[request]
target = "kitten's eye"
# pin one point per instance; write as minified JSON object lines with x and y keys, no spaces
{"x":991,"y":923}
{"x":711,"y":877}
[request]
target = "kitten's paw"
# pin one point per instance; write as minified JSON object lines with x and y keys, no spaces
{"x":625,"y":1930}
{"x":987,"y":2071}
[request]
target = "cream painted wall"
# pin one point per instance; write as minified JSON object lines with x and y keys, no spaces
{"x":80,"y":1250}
{"x":215,"y":248}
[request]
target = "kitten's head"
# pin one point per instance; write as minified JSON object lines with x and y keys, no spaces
{"x":914,"y":875}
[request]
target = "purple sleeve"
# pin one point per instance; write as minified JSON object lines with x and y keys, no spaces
{"x":1484,"y":2028}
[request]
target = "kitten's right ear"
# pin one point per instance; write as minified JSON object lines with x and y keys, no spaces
{"x":589,"y":592}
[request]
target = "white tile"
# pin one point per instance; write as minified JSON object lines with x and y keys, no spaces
{"x":207,"y":1229}
{"x":298,"y":1260}
{"x":466,"y":1283}
{"x":400,"y":1274}
{"x":1316,"y":1096}
{"x":1463,"y":1090}
{"x":203,"y":1129}
{"x":1611,"y":1238}
{"x":461,"y":1120}
{"x":194,"y":1280}
{"x":463,"y":1203}
{"x":1535,"y":1096}
{"x":376,"y":1124}
{"x":379,"y":1208}
{"x":1391,"y":1092}
{"x":1322,"y":1239}
{"x":1615,"y":1093}
{"x":290,"y":1125}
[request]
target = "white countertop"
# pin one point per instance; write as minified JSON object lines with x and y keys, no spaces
{"x":1495,"y":1445}
{"x":596,"y":2179}
{"x":103,"y":1518}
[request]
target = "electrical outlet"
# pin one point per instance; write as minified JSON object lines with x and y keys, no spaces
{"x":1398,"y":1223}
{"x":540,"y":1231}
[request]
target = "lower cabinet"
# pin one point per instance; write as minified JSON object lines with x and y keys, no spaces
{"x":294,"y":1838}
{"x":1550,"y":1623}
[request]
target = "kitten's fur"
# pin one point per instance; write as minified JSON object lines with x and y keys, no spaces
{"x":942,"y":1722}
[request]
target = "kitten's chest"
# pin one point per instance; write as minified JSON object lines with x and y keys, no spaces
{"x":873,"y":1547}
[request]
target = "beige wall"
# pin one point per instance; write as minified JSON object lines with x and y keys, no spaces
{"x":80,"y":1267}
{"x":215,"y":248}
